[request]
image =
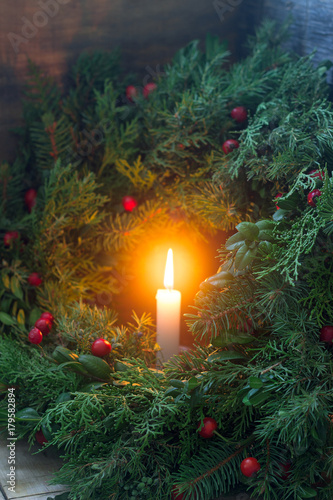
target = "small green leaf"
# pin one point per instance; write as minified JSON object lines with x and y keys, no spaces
{"x":232,"y":337}
{"x":265,"y":246}
{"x":6,"y":319}
{"x":280,"y":214}
{"x":172,"y":391}
{"x":121,"y":366}
{"x":220,"y":357}
{"x":6,"y":280}
{"x":92,"y":387}
{"x":307,"y":492}
{"x":27,"y":415}
{"x":192,"y":383}
{"x":16,"y":288}
{"x":259,"y":398}
{"x":265,"y":224}
{"x":250,"y":393}
{"x":47,"y":433}
{"x":289,"y":202}
{"x":219,"y":280}
{"x":244,"y":257}
{"x":177,"y":383}
{"x":235,"y":241}
{"x":34,"y":316}
{"x":64,"y":396}
{"x":255,"y":383}
{"x":249,"y":230}
{"x":75,"y":365}
{"x":266,"y":235}
{"x":21,"y":317}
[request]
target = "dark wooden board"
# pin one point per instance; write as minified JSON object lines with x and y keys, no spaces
{"x":148,"y":33}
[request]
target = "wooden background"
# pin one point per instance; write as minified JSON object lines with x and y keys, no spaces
{"x":148,"y":34}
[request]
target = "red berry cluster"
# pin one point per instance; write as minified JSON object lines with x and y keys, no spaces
{"x":30,"y":199}
{"x":40,"y":438}
{"x":42,"y":327}
{"x":10,"y":237}
{"x":34,"y":279}
{"x":314,"y":195}
{"x":326,"y":334}
{"x":239,"y":114}
{"x":132,"y":92}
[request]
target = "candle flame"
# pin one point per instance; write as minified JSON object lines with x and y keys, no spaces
{"x":168,"y":275}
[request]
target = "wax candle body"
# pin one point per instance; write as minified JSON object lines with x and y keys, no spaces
{"x":168,"y":323}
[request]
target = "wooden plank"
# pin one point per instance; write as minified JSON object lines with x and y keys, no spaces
{"x":32,"y":472}
{"x":311,"y":27}
{"x":147,"y":33}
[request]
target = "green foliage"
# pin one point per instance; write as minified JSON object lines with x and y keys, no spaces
{"x":124,"y":429}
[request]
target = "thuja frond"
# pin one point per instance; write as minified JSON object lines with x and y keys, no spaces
{"x":215,"y":206}
{"x":41,"y":93}
{"x":139,"y":176}
{"x":212,"y":471}
{"x":317,"y":271}
{"x":123,"y":231}
{"x":326,"y":205}
{"x":294,"y":242}
{"x":25,"y":368}
{"x":220,"y":311}
{"x":275,"y":295}
{"x":81,"y":323}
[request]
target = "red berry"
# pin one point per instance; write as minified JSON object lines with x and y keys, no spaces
{"x":312,"y":197}
{"x":34,"y":279}
{"x":326,"y":334}
{"x":239,"y":114}
{"x":208,"y":428}
{"x":279,"y":195}
{"x":40,"y":438}
{"x":175,"y":495}
{"x":9,"y":237}
{"x":48,"y":316}
{"x":100,"y":348}
{"x":316,"y":173}
{"x":148,"y":89}
{"x":131,"y":92}
{"x":30,"y":198}
{"x":44,"y":325}
{"x":285,"y":470}
{"x":230,"y":145}
{"x":35,"y":336}
{"x":250,"y":466}
{"x":129,"y":203}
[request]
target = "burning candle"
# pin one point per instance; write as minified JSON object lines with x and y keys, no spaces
{"x":168,"y":314}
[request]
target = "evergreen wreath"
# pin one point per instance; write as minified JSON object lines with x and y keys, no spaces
{"x":258,"y":385}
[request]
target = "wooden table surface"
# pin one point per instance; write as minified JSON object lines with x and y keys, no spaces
{"x":33,"y":472}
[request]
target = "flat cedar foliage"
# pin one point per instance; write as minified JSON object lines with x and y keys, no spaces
{"x":125,"y":430}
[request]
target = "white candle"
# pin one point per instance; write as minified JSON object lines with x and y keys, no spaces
{"x":168,"y":314}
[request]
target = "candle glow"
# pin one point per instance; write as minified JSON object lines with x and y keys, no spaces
{"x":168,"y":273}
{"x":168,"y":314}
